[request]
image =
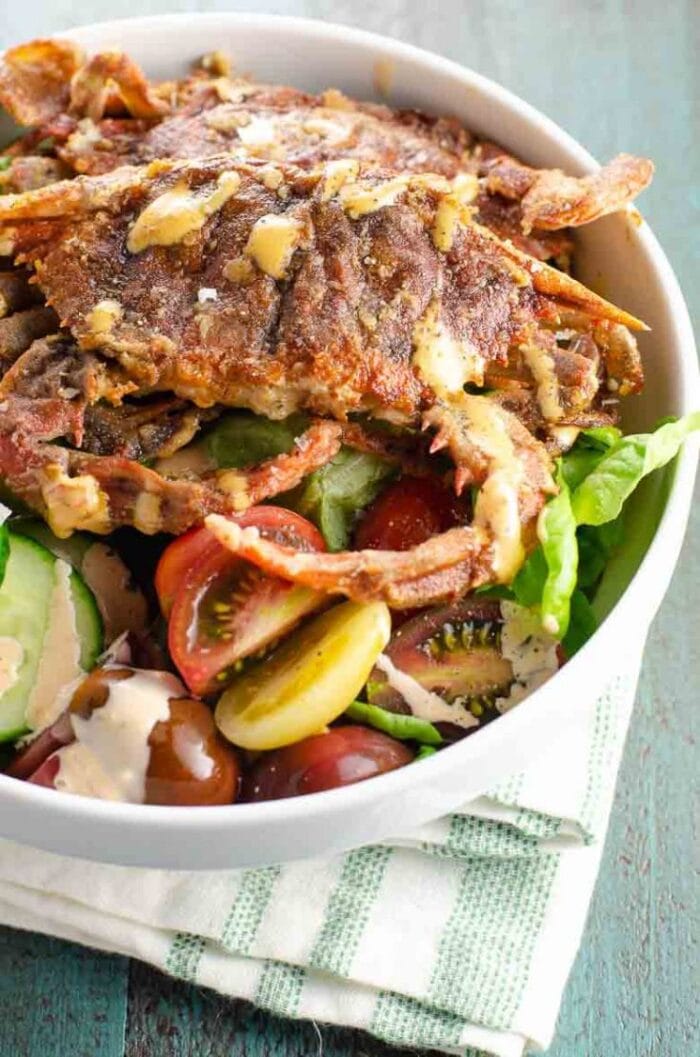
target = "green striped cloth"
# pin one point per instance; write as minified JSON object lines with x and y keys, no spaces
{"x":459,"y":938}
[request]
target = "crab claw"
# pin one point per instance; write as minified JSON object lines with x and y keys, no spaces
{"x":463,"y":477}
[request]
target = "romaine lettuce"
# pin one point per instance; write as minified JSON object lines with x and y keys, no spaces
{"x":601,"y":494}
{"x":556,"y":529}
{"x":241,"y":439}
{"x":333,"y":496}
{"x":580,"y":527}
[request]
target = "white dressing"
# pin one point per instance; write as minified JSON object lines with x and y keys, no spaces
{"x":272,"y":242}
{"x":110,"y":756}
{"x":532,"y":653}
{"x":191,"y":750}
{"x":59,"y":664}
{"x":541,"y":364}
{"x":442,"y":361}
{"x":496,"y":506}
{"x":424,"y":704}
{"x":170,"y":217}
{"x":11,"y":657}
{"x":73,"y":502}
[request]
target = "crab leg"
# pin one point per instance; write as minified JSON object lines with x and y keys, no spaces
{"x":551,"y":200}
{"x":74,"y":489}
{"x":109,"y":74}
{"x":372,"y":574}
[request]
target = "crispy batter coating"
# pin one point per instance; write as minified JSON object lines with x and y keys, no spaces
{"x":438,"y":570}
{"x":244,"y":245}
{"x":35,"y":79}
{"x":550,"y":199}
{"x":335,"y":333}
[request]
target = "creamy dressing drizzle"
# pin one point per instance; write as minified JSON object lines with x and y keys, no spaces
{"x":73,"y":502}
{"x":193,"y":754}
{"x":102,"y":318}
{"x":59,"y":664}
{"x":454,"y":210}
{"x":497,"y":502}
{"x":258,"y":132}
{"x":110,"y":756}
{"x":531,"y":652}
{"x":443,"y":362}
{"x":359,"y":200}
{"x":336,"y":174}
{"x":541,"y":364}
{"x":424,"y":703}
{"x":11,"y":657}
{"x":272,"y":242}
{"x":170,"y":217}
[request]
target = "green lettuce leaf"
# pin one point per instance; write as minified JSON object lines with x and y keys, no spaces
{"x":405,"y":728}
{"x":5,"y":162}
{"x":596,"y":544}
{"x":580,"y":528}
{"x":243,"y":439}
{"x":600,"y":437}
{"x":528,"y":584}
{"x":333,"y":496}
{"x":599,"y":497}
{"x":590,"y":447}
{"x":582,"y":624}
{"x":423,"y":752}
{"x":556,"y":528}
{"x":4,"y":550}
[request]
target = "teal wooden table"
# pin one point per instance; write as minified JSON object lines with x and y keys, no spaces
{"x":618,"y":75}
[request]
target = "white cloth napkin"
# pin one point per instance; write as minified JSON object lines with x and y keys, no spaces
{"x":460,"y":938}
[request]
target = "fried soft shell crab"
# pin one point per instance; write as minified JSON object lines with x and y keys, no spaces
{"x":174,"y":250}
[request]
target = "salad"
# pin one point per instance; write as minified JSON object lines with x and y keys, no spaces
{"x":310,"y":452}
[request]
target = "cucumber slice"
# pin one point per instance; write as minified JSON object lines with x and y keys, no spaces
{"x":24,"y":615}
{"x":32,"y":631}
{"x":72,"y":550}
{"x":121,"y":603}
{"x":88,"y":622}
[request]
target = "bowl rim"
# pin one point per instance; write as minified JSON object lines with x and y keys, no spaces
{"x":636,"y":606}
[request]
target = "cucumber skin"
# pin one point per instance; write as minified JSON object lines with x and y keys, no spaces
{"x":87,"y":619}
{"x":118,"y":607}
{"x":88,"y":622}
{"x":29,"y":577}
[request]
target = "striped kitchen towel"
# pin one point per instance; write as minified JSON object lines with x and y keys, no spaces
{"x":459,"y":938}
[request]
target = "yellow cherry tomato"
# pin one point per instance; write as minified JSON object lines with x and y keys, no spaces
{"x":309,"y":681}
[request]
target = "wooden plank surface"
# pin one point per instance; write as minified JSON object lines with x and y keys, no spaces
{"x":618,"y":74}
{"x":58,"y":1000}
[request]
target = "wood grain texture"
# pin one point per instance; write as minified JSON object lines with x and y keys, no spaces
{"x":170,"y":1019}
{"x":618,"y":74}
{"x":59,"y":1000}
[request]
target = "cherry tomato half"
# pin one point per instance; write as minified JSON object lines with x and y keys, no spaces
{"x":190,"y":763}
{"x":324,"y":761}
{"x":177,"y":558}
{"x":224,"y":608}
{"x":408,"y":513}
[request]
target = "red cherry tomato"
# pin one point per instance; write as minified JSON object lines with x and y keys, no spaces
{"x":190,"y":763}
{"x":408,"y":513}
{"x":176,"y":559}
{"x":342,"y":756}
{"x":224,"y":608}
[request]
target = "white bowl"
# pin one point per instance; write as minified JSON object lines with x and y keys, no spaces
{"x":616,"y":255}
